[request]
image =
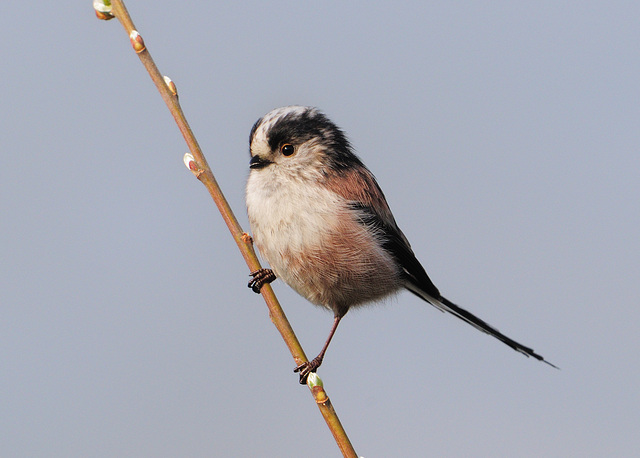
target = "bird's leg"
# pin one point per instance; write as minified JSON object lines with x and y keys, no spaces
{"x":311,"y":366}
{"x":260,"y":277}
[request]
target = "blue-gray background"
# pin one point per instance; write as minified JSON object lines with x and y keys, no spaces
{"x":506,"y":136}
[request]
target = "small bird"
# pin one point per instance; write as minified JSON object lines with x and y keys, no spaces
{"x":320,"y":220}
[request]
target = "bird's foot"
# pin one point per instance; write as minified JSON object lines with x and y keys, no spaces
{"x":260,"y":277}
{"x":306,"y":368}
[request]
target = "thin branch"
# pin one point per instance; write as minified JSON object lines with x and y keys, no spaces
{"x":198,"y":165}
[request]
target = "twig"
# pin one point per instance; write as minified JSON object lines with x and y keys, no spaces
{"x":197,"y":163}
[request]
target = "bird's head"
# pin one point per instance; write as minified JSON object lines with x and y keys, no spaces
{"x":299,"y":140}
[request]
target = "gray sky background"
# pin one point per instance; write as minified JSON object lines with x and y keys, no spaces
{"x":506,"y":136}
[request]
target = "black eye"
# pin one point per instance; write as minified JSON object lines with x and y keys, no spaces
{"x":287,"y":149}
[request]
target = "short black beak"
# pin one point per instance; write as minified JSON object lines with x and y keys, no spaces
{"x":257,"y":162}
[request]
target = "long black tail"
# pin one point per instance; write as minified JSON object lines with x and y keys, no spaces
{"x":418,"y":282}
{"x":446,"y":305}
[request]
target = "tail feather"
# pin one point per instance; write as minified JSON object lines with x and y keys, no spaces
{"x":446,"y":305}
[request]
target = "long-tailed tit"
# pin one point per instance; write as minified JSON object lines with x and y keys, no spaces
{"x":321,"y":221}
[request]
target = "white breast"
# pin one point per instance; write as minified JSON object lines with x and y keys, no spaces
{"x":287,"y":216}
{"x":312,"y":241}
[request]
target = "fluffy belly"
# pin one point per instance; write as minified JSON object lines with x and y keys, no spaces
{"x":334,"y":261}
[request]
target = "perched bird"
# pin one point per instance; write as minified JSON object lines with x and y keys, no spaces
{"x":320,"y":220}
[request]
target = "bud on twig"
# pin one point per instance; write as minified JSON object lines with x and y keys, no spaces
{"x":137,"y":42}
{"x":171,"y":85}
{"x":314,"y":382}
{"x":103,"y":9}
{"x":189,"y":161}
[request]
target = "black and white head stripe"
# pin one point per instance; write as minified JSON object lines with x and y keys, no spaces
{"x":298,"y":125}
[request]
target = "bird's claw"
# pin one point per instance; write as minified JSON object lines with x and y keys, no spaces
{"x":260,"y":277}
{"x":306,"y":368}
